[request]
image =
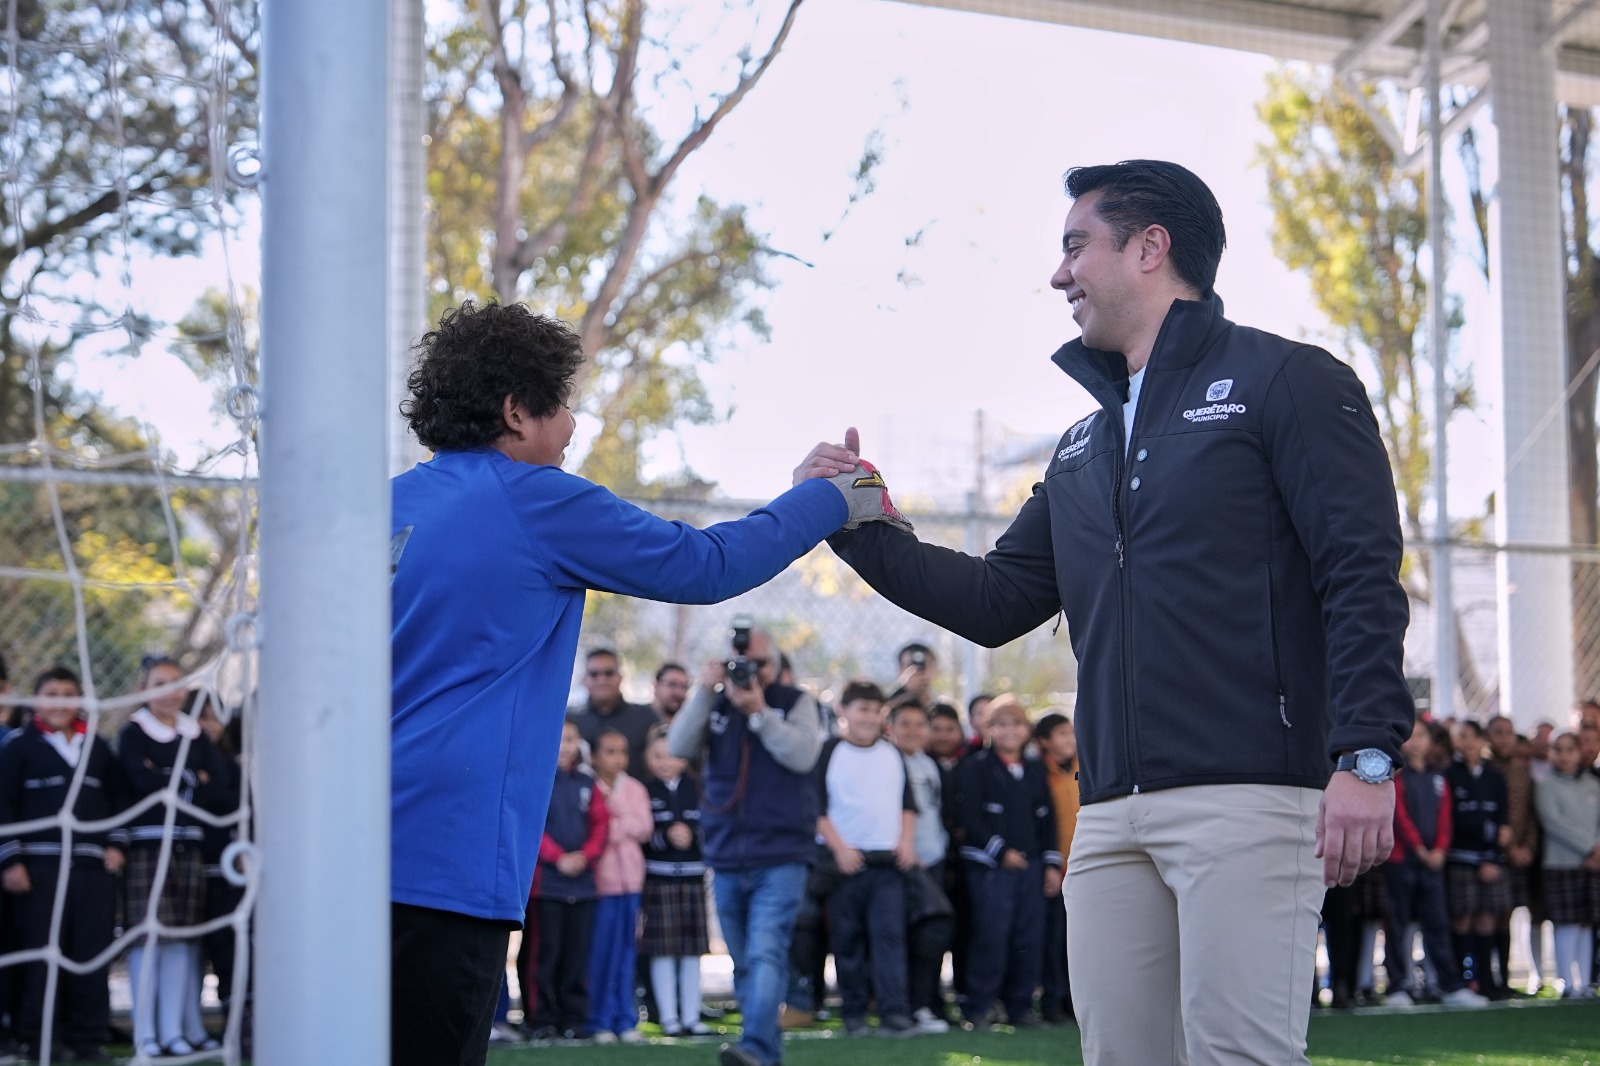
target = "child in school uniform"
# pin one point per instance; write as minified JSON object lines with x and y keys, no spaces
{"x":674,"y":934}
{"x":575,"y":832}
{"x":618,"y":880}
{"x":159,"y":745}
{"x":37,"y":768}
{"x":1568,"y":802}
{"x":1476,"y":881}
{"x":1011,"y":863}
{"x":928,"y":936}
{"x":1058,"y":753}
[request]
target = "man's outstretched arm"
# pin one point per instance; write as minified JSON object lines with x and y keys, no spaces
{"x":990,"y":600}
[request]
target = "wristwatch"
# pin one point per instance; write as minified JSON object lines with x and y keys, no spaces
{"x":1371,"y":765}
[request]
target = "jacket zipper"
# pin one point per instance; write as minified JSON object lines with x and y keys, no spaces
{"x":1277,"y":661}
{"x":1130,"y":728}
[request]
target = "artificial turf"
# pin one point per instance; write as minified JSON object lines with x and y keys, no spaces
{"x":1527,"y":1033}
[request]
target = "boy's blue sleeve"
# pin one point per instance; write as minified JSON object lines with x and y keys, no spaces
{"x":589,"y":538}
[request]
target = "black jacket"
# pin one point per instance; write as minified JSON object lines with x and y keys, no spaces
{"x":998,"y":810}
{"x":1231,"y":583}
{"x":34,"y":782}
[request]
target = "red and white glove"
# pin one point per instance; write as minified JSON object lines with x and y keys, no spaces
{"x":867,"y":496}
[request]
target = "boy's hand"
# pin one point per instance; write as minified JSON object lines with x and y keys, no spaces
{"x":1433,"y":858}
{"x":679,"y":835}
{"x":905,"y":853}
{"x":572,"y":863}
{"x":1521,"y":857}
{"x":1489,"y":873}
{"x":850,"y":861}
{"x":1012,"y":859}
{"x":115,"y":860}
{"x":15,"y":880}
{"x":1052,"y":882}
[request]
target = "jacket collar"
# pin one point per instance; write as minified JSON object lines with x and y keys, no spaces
{"x":1191,"y":326}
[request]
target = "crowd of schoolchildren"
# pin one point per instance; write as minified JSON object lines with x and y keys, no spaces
{"x":948,"y":837}
{"x":118,"y":875}
{"x":919,"y":819}
{"x":1486,"y":822}
{"x":937,"y":837}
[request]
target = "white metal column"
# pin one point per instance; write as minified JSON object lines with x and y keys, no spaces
{"x":1535,"y":590}
{"x":323,"y":932}
{"x":1444,"y":627}
{"x":407,"y":236}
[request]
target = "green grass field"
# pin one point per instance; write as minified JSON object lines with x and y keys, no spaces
{"x":1534,"y":1033}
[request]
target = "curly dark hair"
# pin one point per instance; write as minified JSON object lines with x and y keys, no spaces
{"x":477,"y":357}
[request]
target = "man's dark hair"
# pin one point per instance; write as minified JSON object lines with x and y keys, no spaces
{"x":944,"y":710}
{"x":1138,"y":193}
{"x":913,"y":648}
{"x":477,"y":357}
{"x":860,"y":690}
{"x":595,"y":653}
{"x":1046,"y":726}
{"x":668,"y":668}
{"x":57,"y":673}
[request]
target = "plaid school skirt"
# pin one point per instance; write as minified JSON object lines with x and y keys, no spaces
{"x":1371,"y":900}
{"x":674,"y":917}
{"x":1468,"y":895}
{"x":183,"y":893}
{"x":1572,"y":895}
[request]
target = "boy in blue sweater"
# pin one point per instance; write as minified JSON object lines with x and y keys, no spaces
{"x":494,"y":548}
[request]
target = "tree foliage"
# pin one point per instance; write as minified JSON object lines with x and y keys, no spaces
{"x":551,"y":165}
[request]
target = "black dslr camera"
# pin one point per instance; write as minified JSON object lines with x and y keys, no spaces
{"x":741,"y":669}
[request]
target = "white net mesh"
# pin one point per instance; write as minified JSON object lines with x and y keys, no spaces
{"x":125,"y":143}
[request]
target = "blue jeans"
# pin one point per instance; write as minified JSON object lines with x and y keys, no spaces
{"x":757,"y":909}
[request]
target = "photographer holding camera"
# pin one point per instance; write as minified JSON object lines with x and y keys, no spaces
{"x":759,"y":741}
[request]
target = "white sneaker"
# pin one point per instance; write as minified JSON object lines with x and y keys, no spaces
{"x":605,"y":1036}
{"x":1464,"y":997}
{"x":501,"y":1033}
{"x":1399,"y":998}
{"x":929,"y":1022}
{"x":630,"y":1036}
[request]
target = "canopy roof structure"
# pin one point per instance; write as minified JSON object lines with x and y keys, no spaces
{"x":1384,"y":39}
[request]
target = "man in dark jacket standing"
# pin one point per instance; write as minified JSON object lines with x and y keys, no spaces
{"x":1222,"y":538}
{"x":759,"y":813}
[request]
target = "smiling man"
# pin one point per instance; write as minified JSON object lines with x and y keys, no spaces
{"x":1223,"y":539}
{"x":494,"y":547}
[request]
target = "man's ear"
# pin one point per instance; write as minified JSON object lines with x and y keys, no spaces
{"x":1155,"y":245}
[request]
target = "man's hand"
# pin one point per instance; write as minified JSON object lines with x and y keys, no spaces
{"x":746,"y":701}
{"x":15,"y":880}
{"x":1355,"y":827}
{"x":1052,"y":882}
{"x":1012,"y":859}
{"x":850,"y":861}
{"x":572,"y":863}
{"x":679,"y":835}
{"x":829,"y":460}
{"x":1489,"y":873}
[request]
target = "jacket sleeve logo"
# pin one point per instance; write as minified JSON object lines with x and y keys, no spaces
{"x":1218,"y":390}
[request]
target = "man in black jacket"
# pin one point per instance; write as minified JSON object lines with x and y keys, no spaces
{"x":1222,"y":538}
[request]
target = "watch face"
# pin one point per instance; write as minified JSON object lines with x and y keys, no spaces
{"x":1372,"y":765}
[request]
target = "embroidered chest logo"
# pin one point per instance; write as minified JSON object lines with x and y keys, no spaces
{"x":1218,"y":390}
{"x":1078,"y":438}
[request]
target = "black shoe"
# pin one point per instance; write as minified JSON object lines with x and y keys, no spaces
{"x":577,"y":1034}
{"x":857,"y":1027}
{"x":897,"y":1025}
{"x":1026,"y":1020}
{"x":1057,"y":1016}
{"x":734,"y":1055}
{"x":976,"y":1024}
{"x":544,"y":1033}
{"x":88,"y":1053}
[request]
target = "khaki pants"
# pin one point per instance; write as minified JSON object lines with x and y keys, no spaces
{"x":1192,"y":925}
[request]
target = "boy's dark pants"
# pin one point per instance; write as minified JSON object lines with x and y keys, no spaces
{"x":870,"y":905}
{"x":86,"y":930}
{"x":1007,"y":929}
{"x":1057,"y":999}
{"x":1416,"y":894}
{"x":565,"y":929}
